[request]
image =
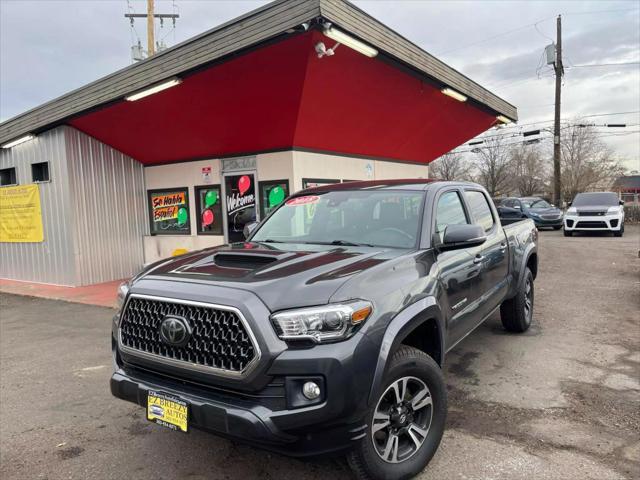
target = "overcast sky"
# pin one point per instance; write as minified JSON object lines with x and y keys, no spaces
{"x":50,"y":47}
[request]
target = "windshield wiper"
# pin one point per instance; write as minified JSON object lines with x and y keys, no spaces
{"x":344,"y":243}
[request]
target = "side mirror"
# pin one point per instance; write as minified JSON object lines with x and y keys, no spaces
{"x":569,"y":204}
{"x":621,"y":202}
{"x":462,"y":236}
{"x":248,"y":228}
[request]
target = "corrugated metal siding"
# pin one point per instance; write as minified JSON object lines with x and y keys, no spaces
{"x":108,"y":203}
{"x":51,"y":261}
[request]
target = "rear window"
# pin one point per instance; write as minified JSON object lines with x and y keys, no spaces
{"x":604,"y":199}
{"x":480,"y":209}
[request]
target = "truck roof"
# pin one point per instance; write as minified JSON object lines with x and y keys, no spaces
{"x":419,"y":184}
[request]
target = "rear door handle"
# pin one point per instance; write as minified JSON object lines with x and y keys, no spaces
{"x":478,"y":259}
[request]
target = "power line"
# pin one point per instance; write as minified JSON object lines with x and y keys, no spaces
{"x":604,"y":64}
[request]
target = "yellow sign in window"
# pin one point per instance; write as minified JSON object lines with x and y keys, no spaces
{"x":20,"y":214}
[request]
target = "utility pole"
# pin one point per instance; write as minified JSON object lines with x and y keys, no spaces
{"x":151,"y":17}
{"x":151,"y":42}
{"x":559,"y":69}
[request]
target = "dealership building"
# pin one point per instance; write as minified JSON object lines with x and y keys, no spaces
{"x":179,"y":151}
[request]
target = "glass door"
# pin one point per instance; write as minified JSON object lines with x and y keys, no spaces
{"x":240,"y":203}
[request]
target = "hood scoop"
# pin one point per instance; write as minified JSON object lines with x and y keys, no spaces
{"x":245,"y":261}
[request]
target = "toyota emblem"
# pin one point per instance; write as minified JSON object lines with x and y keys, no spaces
{"x":175,"y":331}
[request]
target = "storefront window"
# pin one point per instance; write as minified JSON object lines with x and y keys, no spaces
{"x":240,"y":195}
{"x":272,"y":194}
{"x":169,"y":211}
{"x":209,"y":210}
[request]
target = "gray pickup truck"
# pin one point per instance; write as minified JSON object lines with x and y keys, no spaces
{"x":326,"y":330}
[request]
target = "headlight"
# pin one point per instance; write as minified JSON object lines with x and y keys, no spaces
{"x":572,"y":211}
{"x":123,"y":291}
{"x":321,"y":324}
{"x":613,"y":211}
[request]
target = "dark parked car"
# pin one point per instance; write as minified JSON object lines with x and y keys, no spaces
{"x":537,"y":209}
{"x":326,"y":331}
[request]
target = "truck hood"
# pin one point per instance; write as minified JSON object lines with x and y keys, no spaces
{"x":281,"y":275}
{"x":594,"y":208}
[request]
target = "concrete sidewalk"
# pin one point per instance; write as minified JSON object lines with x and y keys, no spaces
{"x":100,"y":294}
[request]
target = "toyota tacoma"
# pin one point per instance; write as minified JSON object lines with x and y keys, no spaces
{"x":326,"y":330}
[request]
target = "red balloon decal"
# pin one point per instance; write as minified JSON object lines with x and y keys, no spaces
{"x":244,"y":184}
{"x":207,"y":218}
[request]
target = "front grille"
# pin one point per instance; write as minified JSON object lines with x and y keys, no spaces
{"x":219,"y":338}
{"x":554,"y":216}
{"x":591,"y":214}
{"x":591,"y":225}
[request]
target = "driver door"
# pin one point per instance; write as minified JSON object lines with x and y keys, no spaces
{"x":459,"y":270}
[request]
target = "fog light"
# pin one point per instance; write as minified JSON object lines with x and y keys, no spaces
{"x":311,"y":390}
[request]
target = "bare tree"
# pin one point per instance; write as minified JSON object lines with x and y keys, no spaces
{"x":587,"y":162}
{"x":493,"y":164}
{"x":450,"y":166}
{"x":529,"y":169}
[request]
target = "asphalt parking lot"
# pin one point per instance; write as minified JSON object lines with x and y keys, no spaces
{"x":560,"y":402}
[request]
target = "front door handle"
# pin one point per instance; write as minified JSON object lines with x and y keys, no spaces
{"x":478,"y":259}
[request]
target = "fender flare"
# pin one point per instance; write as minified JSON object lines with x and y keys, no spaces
{"x":531,"y":249}
{"x":402,"y":324}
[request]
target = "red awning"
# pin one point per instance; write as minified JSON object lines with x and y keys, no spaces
{"x":283,"y":96}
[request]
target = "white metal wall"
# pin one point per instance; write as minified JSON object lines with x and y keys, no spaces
{"x":93,"y":212}
{"x":108,"y":203}
{"x":52,"y":260}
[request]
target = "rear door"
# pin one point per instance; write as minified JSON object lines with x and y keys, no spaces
{"x":494,"y":257}
{"x":459,"y":272}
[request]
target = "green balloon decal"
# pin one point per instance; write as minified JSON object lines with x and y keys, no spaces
{"x":276,"y":196}
{"x":210,"y":198}
{"x":182,"y":216}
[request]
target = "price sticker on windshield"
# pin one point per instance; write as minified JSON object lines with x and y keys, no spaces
{"x":305,"y":200}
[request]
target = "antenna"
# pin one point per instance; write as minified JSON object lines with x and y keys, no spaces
{"x":137,"y":52}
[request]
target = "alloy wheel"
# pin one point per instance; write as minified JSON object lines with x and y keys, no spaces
{"x":402,"y":419}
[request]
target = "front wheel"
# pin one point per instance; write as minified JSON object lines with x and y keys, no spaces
{"x":567,"y":233}
{"x":406,"y":423}
{"x":517,"y":312}
{"x":620,"y":232}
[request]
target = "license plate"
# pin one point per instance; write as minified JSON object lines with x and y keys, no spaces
{"x":168,"y":411}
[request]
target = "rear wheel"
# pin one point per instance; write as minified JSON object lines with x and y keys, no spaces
{"x":517,"y":312}
{"x":406,"y":422}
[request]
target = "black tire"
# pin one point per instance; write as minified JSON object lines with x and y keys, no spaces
{"x":557,"y":227}
{"x":517,"y":312}
{"x":364,"y":459}
{"x":567,"y":234}
{"x":620,"y":232}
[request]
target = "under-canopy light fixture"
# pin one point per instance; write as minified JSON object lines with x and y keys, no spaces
{"x":349,"y":41}
{"x":450,"y":92}
{"x":503,"y":119}
{"x":154,"y":89}
{"x":18,"y":141}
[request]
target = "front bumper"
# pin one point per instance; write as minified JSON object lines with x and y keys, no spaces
{"x":611,"y":223}
{"x":546,"y":222}
{"x":272,"y":417}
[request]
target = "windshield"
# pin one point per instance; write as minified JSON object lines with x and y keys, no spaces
{"x":603,"y":199}
{"x":536,"y":203}
{"x":357,"y":217}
